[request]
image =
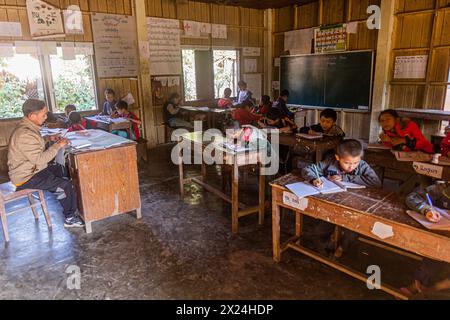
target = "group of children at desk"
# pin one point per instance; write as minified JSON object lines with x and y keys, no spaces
{"x":347,"y":166}
{"x":73,"y":121}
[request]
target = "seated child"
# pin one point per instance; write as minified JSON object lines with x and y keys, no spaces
{"x":264,"y":106}
{"x":64,"y":118}
{"x":173,"y":113}
{"x":244,"y":94}
{"x":281,"y":104}
{"x":53,"y":122}
{"x":122,"y":112}
{"x":327,"y":125}
{"x":275,"y":119}
{"x":345,"y":166}
{"x":225,"y":102}
{"x":243,"y":115}
{"x":439,"y":194}
{"x":109,"y":106}
{"x":402,"y":135}
{"x":76,"y":122}
{"x":445,"y":144}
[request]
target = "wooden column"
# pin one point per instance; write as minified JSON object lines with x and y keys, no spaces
{"x":145,"y":88}
{"x":383,"y":59}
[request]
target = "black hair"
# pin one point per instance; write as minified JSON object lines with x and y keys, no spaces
{"x":246,"y":103}
{"x":265,"y":100}
{"x":70,"y":107}
{"x":173,"y":96}
{"x":350,"y":147}
{"x":392,"y":112}
{"x":273,"y":114}
{"x":122,"y":105}
{"x":227,"y":90}
{"x":74,"y":117}
{"x":284,"y":93}
{"x":51,"y":118}
{"x":32,"y":105}
{"x":109,"y":91}
{"x":242,"y":83}
{"x":329,"y":114}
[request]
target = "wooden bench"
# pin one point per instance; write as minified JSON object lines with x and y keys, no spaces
{"x":9,"y":194}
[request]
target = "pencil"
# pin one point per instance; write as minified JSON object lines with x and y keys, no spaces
{"x":317,"y":172}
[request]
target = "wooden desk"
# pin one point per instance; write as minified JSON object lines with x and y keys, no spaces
{"x":106,"y":182}
{"x":211,"y":113}
{"x":357,"y":210}
{"x":317,"y":147}
{"x":110,"y":126}
{"x":234,"y":160}
{"x":424,"y":114}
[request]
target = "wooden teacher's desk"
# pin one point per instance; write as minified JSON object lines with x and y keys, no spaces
{"x":234,"y":159}
{"x":375,"y":214}
{"x":105,"y":176}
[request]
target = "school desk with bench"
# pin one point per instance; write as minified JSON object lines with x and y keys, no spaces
{"x":372,"y":213}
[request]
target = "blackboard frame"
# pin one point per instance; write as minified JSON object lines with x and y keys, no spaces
{"x":369,"y":110}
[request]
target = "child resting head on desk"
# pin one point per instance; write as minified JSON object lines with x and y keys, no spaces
{"x":327,"y":125}
{"x":439,"y":196}
{"x":123,"y":112}
{"x":402,"y":135}
{"x":345,"y":166}
{"x":275,"y":119}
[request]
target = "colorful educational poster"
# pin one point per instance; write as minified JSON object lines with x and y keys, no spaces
{"x":330,"y":38}
{"x":45,"y":20}
{"x":164,"y":46}
{"x":115,"y":45}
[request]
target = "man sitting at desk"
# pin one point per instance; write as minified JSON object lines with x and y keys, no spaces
{"x":28,"y":161}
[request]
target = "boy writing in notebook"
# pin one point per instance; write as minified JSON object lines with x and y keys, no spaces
{"x":327,"y":125}
{"x":346,"y":166}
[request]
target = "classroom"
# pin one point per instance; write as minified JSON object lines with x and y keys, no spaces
{"x":225,"y":150}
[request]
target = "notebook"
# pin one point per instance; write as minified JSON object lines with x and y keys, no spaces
{"x":444,"y":224}
{"x":304,"y":189}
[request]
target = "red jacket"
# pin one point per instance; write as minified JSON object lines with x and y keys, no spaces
{"x":134,"y":125}
{"x":445,"y":146}
{"x":243,"y":116}
{"x":415,"y":140}
{"x":224,"y":103}
{"x":77,"y":126}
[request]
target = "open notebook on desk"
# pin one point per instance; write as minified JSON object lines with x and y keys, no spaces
{"x":443,"y":224}
{"x":305,"y":189}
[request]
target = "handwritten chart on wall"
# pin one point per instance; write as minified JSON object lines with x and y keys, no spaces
{"x":115,"y":45}
{"x":164,"y":46}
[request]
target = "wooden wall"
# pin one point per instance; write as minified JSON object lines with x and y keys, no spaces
{"x":245,"y":28}
{"x":327,"y":12}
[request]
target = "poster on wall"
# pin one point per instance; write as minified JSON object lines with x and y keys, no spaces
{"x":162,"y":87}
{"x":73,"y":20}
{"x":164,"y":46}
{"x":254,"y":84}
{"x":330,"y":38}
{"x":219,"y":31}
{"x":44,"y":19}
{"x":411,"y":67}
{"x":298,"y":41}
{"x":115,"y":45}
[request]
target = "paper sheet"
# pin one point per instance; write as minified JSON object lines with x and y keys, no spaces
{"x":10,"y":29}
{"x":68,"y":50}
{"x":251,"y":52}
{"x":164,"y":46}
{"x":73,"y":20}
{"x":382,"y":231}
{"x":352,"y":27}
{"x":299,"y":40}
{"x":191,"y":28}
{"x":26,"y":47}
{"x":444,"y":224}
{"x":47,"y":47}
{"x":6,"y":50}
{"x":250,"y":66}
{"x":411,"y":67}
{"x":219,"y":31}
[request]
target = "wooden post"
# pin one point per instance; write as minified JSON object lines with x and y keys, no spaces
{"x":234,"y":197}
{"x":383,"y":61}
{"x":262,"y":195}
{"x":145,"y":89}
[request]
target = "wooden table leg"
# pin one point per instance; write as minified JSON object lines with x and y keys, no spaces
{"x":234,"y":197}
{"x":88,"y":226}
{"x":33,"y":208}
{"x":276,"y":231}
{"x":139,"y":213}
{"x":298,"y":224}
{"x":180,"y":170}
{"x":262,"y":195}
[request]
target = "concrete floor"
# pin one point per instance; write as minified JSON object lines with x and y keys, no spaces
{"x":181,"y":249}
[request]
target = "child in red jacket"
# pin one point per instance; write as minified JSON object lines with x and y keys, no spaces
{"x":445,"y":144}
{"x":76,"y":123}
{"x":402,"y":135}
{"x":243,"y":115}
{"x":123,"y":112}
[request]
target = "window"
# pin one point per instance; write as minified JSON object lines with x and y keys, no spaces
{"x":225,"y":72}
{"x":47,"y":77}
{"x":20,"y":79}
{"x":73,"y":82}
{"x":207,"y":73}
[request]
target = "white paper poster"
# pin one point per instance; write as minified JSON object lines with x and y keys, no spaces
{"x":173,"y":81}
{"x":254,"y":84}
{"x":276,"y":85}
{"x":411,"y":67}
{"x":219,"y":31}
{"x":352,"y":27}
{"x":191,"y":28}
{"x":250,"y":66}
{"x":6,"y":50}
{"x":10,"y":29}
{"x":26,"y":47}
{"x":165,"y":48}
{"x":47,"y":47}
{"x":205,"y":28}
{"x":251,"y":52}
{"x":85,"y":48}
{"x":299,"y":40}
{"x":73,"y":20}
{"x":115,"y":45}
{"x":68,"y":50}
{"x":45,"y":20}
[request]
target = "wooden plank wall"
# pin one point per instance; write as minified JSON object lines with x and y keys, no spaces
{"x":326,"y":12}
{"x":245,"y":28}
{"x":422,"y":27}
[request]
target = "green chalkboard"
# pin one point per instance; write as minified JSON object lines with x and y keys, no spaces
{"x":337,"y":80}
